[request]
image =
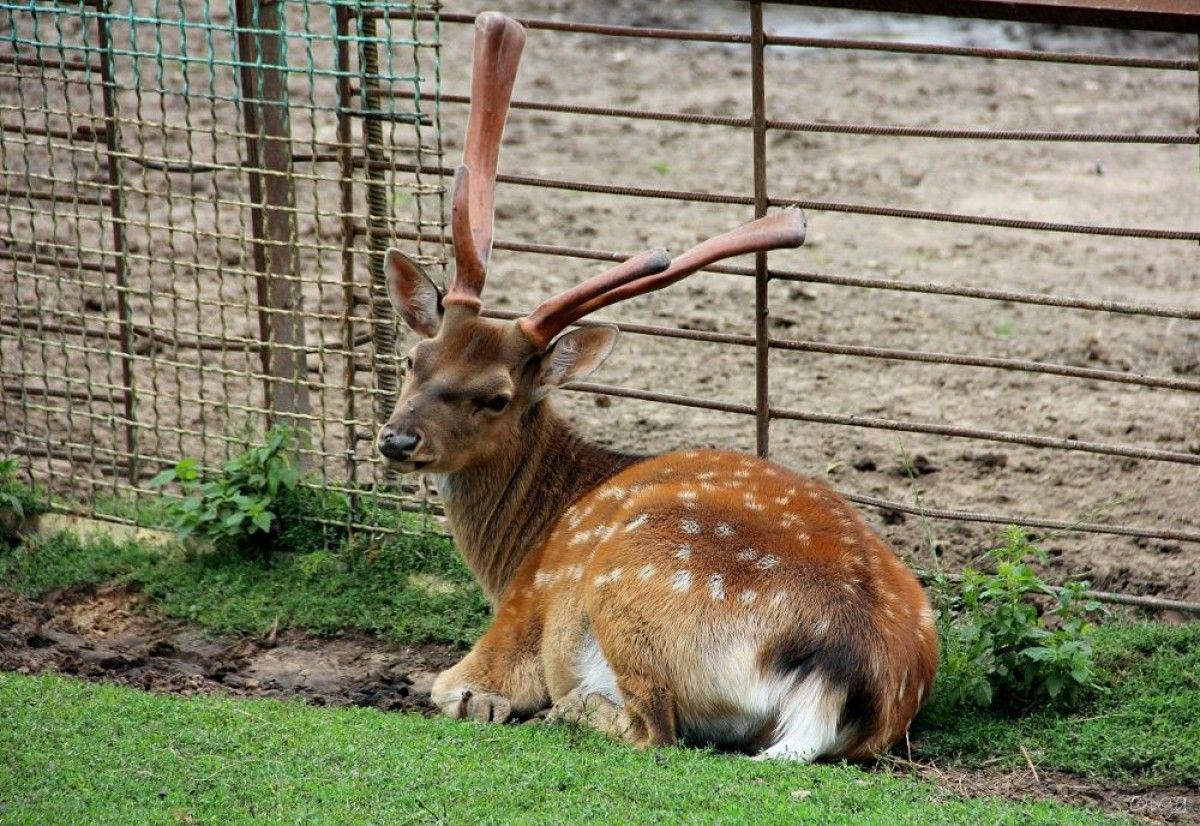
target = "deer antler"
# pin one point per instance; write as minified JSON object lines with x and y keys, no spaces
{"x":643,"y":274}
{"x":498,"y":44}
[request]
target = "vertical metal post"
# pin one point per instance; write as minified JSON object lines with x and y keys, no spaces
{"x":379,"y":221}
{"x":345,"y":135}
{"x":260,"y":41}
{"x":758,"y":121}
{"x":112,"y":141}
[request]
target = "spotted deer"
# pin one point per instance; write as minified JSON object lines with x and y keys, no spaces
{"x":704,"y":596}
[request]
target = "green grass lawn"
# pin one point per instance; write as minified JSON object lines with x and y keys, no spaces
{"x":72,"y":746}
{"x":81,"y":753}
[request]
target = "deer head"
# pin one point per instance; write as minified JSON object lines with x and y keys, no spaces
{"x":471,"y":382}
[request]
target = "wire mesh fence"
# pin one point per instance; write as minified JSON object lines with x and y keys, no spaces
{"x":197,"y":197}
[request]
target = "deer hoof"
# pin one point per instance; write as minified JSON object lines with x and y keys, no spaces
{"x":594,"y":710}
{"x":483,"y":708}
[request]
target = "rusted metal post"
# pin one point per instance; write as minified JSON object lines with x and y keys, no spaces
{"x":272,"y":190}
{"x":112,"y":141}
{"x":758,"y":124}
{"x":379,"y":222}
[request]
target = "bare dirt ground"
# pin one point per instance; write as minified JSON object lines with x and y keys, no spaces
{"x":112,"y":635}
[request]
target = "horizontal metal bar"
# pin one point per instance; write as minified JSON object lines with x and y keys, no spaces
{"x":65,"y":264}
{"x":1077,"y":58}
{"x":13,"y":192}
{"x":825,"y":206}
{"x":877,"y":423}
{"x":1074,"y":302}
{"x":832,"y":128}
{"x":1017,"y":365}
{"x":65,"y":64}
{"x":82,"y":132}
{"x":1023,"y":521}
{"x":1147,"y":15}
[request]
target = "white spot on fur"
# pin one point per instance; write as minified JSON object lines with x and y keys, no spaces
{"x":684,"y":552}
{"x":791,"y":491}
{"x":716,"y":586}
{"x":613,"y":492}
{"x":708,"y":474}
{"x":708,"y":486}
{"x":747,"y":597}
{"x":690,"y":526}
{"x":544,"y":578}
{"x":637,"y":522}
{"x":747,"y":555}
{"x":575,"y":572}
{"x":768,"y":562}
{"x":804,"y":536}
{"x":581,"y":537}
{"x":646,"y":572}
{"x":778,"y":599}
{"x":611,"y":576}
{"x":741,"y":474}
{"x":682,"y":580}
{"x":848,"y":587}
{"x":821,"y":626}
{"x":782,"y":501}
{"x":724,"y":529}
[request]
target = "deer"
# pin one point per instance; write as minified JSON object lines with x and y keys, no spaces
{"x":700,"y":596}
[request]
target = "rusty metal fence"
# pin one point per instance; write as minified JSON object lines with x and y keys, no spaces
{"x":196,"y":200}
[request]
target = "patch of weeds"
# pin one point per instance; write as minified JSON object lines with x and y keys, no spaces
{"x":18,"y":502}
{"x":257,"y":502}
{"x":1000,"y":647}
{"x":661,"y":167}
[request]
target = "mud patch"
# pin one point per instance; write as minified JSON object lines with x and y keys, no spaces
{"x":1158,"y":804}
{"x":112,"y":635}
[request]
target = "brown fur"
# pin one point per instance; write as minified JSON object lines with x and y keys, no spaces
{"x":573,"y":542}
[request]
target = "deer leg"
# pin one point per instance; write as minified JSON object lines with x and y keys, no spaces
{"x":647,"y":717}
{"x":500,"y":678}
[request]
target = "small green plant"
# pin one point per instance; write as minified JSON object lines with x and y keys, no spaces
{"x":18,"y":502}
{"x":1011,"y":640}
{"x":239,"y":507}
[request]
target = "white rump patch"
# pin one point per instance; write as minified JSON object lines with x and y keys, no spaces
{"x":808,"y":721}
{"x":594,"y":674}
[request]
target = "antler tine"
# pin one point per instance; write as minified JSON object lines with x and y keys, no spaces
{"x":554,"y":314}
{"x":781,"y":230}
{"x":499,"y":41}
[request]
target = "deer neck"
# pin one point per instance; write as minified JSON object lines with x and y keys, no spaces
{"x":503,"y":510}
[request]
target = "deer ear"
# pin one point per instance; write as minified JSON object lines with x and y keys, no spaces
{"x":414,"y":295}
{"x":575,"y":356}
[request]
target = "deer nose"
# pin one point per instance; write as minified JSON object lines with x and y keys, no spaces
{"x":397,"y":446}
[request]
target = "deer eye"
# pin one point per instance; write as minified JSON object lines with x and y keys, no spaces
{"x":496,"y":403}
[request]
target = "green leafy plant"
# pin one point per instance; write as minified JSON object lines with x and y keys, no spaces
{"x":238,"y":508}
{"x":18,"y":502}
{"x":1009,"y":639}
